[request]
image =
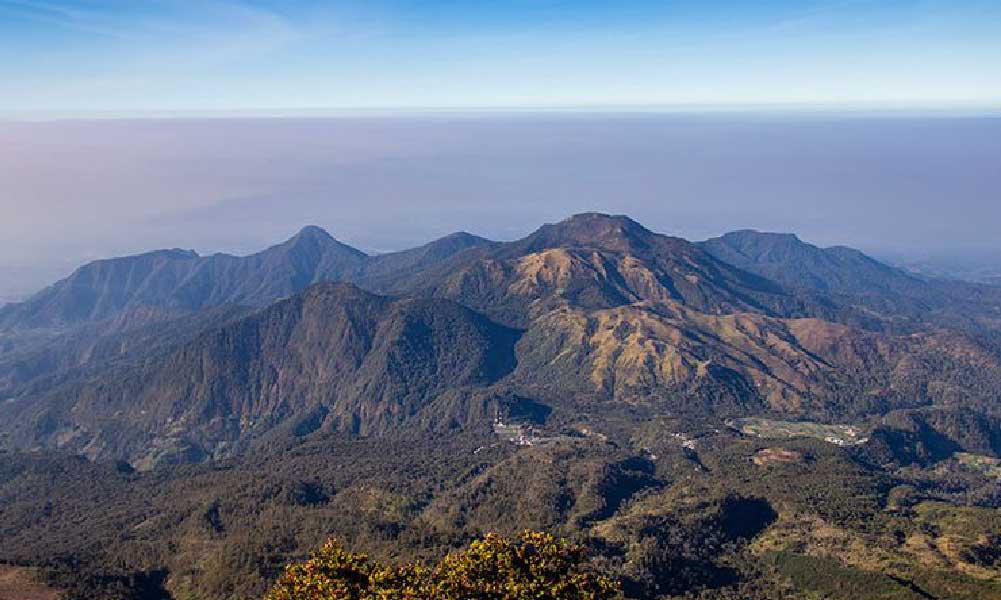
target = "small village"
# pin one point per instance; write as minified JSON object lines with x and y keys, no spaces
{"x":525,"y":435}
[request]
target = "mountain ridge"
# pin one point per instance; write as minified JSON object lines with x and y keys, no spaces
{"x":185,"y":280}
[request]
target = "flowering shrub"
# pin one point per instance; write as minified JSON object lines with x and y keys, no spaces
{"x":535,"y":566}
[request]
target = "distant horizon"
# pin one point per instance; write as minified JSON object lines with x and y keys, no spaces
{"x":777,"y":109}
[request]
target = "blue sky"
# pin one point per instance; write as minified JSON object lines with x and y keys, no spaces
{"x":179,"y":55}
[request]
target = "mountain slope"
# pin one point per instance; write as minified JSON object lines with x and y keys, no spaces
{"x":686,"y":361}
{"x":788,"y":260}
{"x":137,"y":334}
{"x":849,"y":278}
{"x":333,"y":357}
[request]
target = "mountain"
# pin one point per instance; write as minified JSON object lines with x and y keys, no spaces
{"x":182,"y":280}
{"x":594,"y":261}
{"x":784,"y":258}
{"x":591,"y":260}
{"x":334,"y":357}
{"x":866,"y":290}
{"x":112,"y":309}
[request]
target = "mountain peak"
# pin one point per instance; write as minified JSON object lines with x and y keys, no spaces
{"x":598,"y":219}
{"x":315,"y":241}
{"x":615,"y":232}
{"x":603,"y":225}
{"x":313,"y":232}
{"x":464,"y":236}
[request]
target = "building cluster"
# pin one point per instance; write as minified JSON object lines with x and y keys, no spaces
{"x":524,"y":435}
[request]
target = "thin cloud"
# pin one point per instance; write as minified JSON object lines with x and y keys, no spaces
{"x":206,"y":21}
{"x":60,"y":16}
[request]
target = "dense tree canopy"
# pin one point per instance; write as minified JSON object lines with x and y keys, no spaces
{"x":534,"y":566}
